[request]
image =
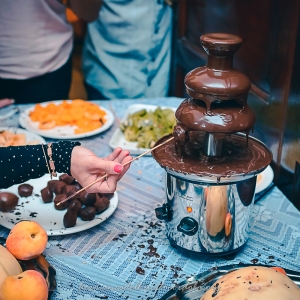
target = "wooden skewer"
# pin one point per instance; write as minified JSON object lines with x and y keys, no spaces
{"x":106,"y":175}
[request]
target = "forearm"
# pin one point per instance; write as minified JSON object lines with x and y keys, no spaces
{"x":19,"y":164}
{"x":87,"y":10}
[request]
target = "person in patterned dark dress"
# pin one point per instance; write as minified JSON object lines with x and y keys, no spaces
{"x":21,"y":163}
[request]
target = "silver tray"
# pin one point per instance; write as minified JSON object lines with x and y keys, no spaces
{"x":194,"y":287}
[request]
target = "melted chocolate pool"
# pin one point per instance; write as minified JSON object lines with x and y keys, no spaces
{"x":237,"y":158}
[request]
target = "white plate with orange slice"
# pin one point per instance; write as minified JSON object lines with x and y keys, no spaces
{"x":264,"y":179}
{"x":66,"y":119}
{"x":12,"y":136}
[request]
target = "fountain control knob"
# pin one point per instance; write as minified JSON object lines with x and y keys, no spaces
{"x":188,"y":226}
{"x":164,"y":212}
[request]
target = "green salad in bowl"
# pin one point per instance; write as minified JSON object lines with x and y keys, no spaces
{"x":145,"y":126}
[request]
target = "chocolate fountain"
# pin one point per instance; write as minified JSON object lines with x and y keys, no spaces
{"x":212,"y":162}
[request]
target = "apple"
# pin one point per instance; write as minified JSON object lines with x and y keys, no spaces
{"x":26,"y":240}
{"x":28,"y":285}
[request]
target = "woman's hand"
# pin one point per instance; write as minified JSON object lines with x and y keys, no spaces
{"x":86,"y":167}
{"x":6,"y":102}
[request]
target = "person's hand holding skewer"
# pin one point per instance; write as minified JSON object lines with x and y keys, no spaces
{"x":86,"y":167}
{"x":125,"y":163}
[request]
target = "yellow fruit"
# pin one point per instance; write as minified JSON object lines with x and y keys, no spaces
{"x":8,"y":264}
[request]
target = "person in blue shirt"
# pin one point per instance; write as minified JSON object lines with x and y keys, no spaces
{"x":127,"y":50}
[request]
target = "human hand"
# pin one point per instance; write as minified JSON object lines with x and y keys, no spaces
{"x":6,"y":102}
{"x":86,"y":168}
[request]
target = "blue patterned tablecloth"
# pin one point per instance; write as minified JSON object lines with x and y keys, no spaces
{"x":102,"y":262}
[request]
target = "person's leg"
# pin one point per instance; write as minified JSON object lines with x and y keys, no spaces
{"x":51,"y":86}
{"x":93,"y":94}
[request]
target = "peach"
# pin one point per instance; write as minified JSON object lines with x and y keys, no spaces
{"x":26,"y":240}
{"x":29,"y":285}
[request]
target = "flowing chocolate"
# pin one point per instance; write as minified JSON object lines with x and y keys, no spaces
{"x":237,"y":159}
{"x":25,"y":190}
{"x":208,"y":137}
{"x":224,"y":117}
{"x":8,"y":201}
{"x":218,"y":80}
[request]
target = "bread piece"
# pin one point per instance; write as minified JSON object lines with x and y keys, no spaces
{"x":253,"y":283}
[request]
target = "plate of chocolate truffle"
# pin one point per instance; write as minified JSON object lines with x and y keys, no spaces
{"x":37,"y":199}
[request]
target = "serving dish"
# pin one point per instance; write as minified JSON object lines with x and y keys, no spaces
{"x":118,"y":138}
{"x":31,"y":138}
{"x":264,"y":179}
{"x":194,"y":287}
{"x":61,"y":132}
{"x":51,"y":219}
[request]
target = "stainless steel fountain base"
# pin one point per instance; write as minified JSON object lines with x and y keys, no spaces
{"x":207,"y":218}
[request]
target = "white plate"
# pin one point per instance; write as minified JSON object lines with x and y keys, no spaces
{"x":61,"y":132}
{"x":266,"y":178}
{"x":51,"y":219}
{"x":30,"y":137}
{"x":118,"y":139}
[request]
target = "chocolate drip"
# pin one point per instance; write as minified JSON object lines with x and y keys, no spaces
{"x":211,"y":137}
{"x":222,"y":117}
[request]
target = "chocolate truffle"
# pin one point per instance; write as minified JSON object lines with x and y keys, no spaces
{"x":74,"y":205}
{"x":101,"y":204}
{"x":78,"y":186}
{"x":8,"y":201}
{"x":67,"y":178}
{"x":58,"y":199}
{"x":25,"y":190}
{"x":70,"y":219}
{"x":58,"y":187}
{"x":51,"y":184}
{"x":47,"y":195}
{"x":87,"y":213}
{"x":69,"y":190}
{"x":107,"y":195}
{"x":87,"y":199}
